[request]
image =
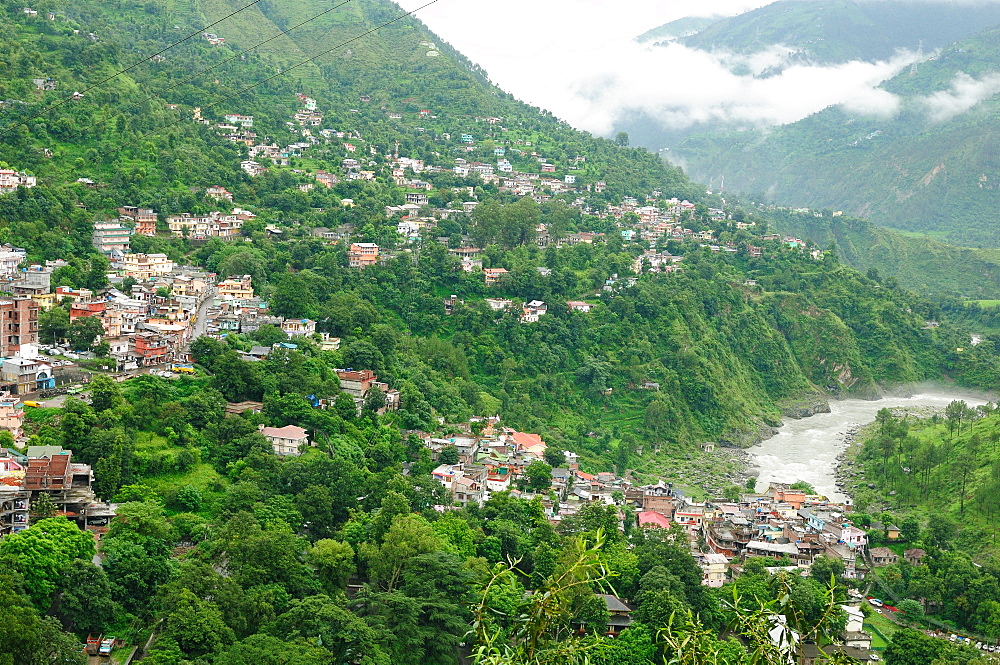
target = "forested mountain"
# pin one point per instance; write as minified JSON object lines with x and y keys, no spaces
{"x":671,"y":317}
{"x":920,"y":263}
{"x":928,"y":167}
{"x":831,"y":32}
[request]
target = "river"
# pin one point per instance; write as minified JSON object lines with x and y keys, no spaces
{"x":807,"y":449}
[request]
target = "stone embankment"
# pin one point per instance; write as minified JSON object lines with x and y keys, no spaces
{"x":848,"y":470}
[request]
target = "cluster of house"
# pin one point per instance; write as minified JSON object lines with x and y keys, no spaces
{"x":148,"y":325}
{"x":235,"y":308}
{"x":530,"y":312}
{"x":213,"y":39}
{"x":292,"y":440}
{"x":113,"y":237}
{"x":49,"y":470}
{"x":11,"y":180}
{"x":779,"y":523}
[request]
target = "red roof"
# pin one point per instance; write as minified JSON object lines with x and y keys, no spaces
{"x":653,"y":518}
{"x":527,"y":440}
{"x":287,"y":432}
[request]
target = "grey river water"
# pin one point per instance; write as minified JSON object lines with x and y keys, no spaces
{"x":807,"y":449}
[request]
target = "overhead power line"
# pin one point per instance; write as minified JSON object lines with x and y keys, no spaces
{"x":124,"y":71}
{"x":218,"y":64}
{"x":283,"y":72}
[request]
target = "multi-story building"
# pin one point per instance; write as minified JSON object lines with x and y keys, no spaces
{"x":144,"y":267}
{"x":287,"y":440}
{"x":34,"y":280}
{"x":218,"y":193}
{"x":295,"y":327}
{"x":112,"y":238}
{"x":236,"y":288}
{"x":11,"y":180}
{"x":189,"y":225}
{"x":18,"y":325}
{"x":74,"y":295}
{"x":144,"y":219}
{"x":24,"y":375}
{"x":362,"y":254}
{"x":79,"y":310}
{"x":356,"y":382}
{"x":10,"y":261}
{"x":11,"y":415}
{"x":151,"y":348}
{"x":493,"y":275}
{"x":51,"y":470}
{"x":14,"y":504}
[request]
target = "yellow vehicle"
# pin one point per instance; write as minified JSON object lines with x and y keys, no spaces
{"x":31,"y":402}
{"x":184,"y":370}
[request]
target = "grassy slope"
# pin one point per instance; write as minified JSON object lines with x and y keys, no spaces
{"x":975,"y":449}
{"x":919,"y":262}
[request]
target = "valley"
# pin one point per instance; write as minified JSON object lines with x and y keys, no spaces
{"x":319,"y":348}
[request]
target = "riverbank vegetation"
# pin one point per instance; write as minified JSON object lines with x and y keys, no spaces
{"x":937,"y":478}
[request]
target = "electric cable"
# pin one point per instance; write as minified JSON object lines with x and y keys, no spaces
{"x":135,"y":64}
{"x":277,"y":75}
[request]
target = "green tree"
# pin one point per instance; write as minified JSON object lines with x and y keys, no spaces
{"x":43,"y":507}
{"x":448,"y":455}
{"x":538,"y":476}
{"x":374,"y":400}
{"x":334,"y":563}
{"x":554,"y":457}
{"x":27,"y":638}
{"x":320,"y":620}
{"x":83,"y":332}
{"x":293,"y":298}
{"x":267,"y":650}
{"x":195,"y":624}
{"x":42,"y":553}
{"x":540,"y":632}
{"x":269,"y":335}
{"x":85,"y":603}
{"x":105,"y":394}
{"x":912,"y":647}
{"x":911,"y":608}
{"x":407,"y":537}
{"x":53,"y":326}
{"x":426,"y":618}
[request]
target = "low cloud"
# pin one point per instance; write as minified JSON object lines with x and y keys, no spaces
{"x":579,"y":59}
{"x":681,"y":86}
{"x":965,"y":92}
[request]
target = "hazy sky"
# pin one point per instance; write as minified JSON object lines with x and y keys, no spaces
{"x":577,"y":58}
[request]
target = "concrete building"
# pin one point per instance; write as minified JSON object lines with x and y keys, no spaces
{"x":12,"y":415}
{"x":144,"y":267}
{"x":298,"y":327}
{"x":362,"y":254}
{"x":24,"y":375}
{"x":112,"y":238}
{"x":287,"y":440}
{"x":144,"y":219}
{"x":33,"y":281}
{"x":18,"y":325}
{"x":236,"y":288}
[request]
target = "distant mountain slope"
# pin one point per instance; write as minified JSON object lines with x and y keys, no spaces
{"x":918,"y":263}
{"x":683,"y":27}
{"x":921,"y":170}
{"x":828,"y":31}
